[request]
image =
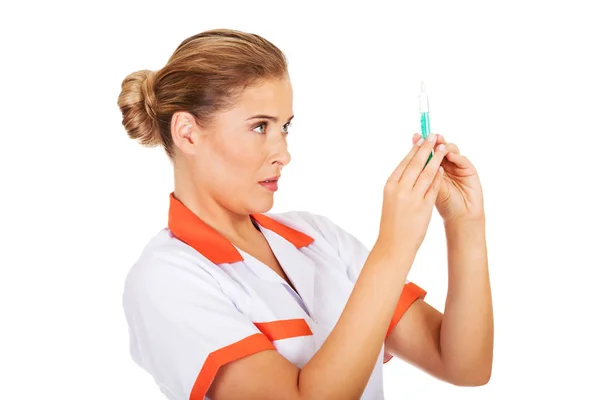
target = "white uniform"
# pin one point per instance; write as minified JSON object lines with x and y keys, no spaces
{"x":195,"y":302}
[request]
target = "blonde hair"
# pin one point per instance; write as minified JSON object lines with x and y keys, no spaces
{"x":202,"y":77}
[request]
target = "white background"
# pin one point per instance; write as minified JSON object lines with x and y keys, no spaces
{"x":514,"y":84}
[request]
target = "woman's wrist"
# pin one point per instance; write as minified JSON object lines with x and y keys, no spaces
{"x":470,"y":221}
{"x":394,"y":254}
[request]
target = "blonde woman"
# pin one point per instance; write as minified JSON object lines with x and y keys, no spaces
{"x":233,"y":302}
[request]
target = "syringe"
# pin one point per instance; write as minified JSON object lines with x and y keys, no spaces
{"x":424,"y":109}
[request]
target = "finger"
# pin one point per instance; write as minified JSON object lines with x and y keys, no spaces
{"x":452,"y":148}
{"x":395,"y":177}
{"x":417,"y":136}
{"x":459,"y":160}
{"x":429,"y":172}
{"x":417,"y":162}
{"x":434,"y":189}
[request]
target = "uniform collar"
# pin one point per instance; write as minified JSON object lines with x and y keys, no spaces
{"x":190,"y":229}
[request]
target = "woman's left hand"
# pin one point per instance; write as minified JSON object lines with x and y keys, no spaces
{"x":460,"y":196}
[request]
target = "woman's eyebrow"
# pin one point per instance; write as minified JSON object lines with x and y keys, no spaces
{"x":269,"y":117}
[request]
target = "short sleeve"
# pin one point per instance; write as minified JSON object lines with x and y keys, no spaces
{"x":182,"y":327}
{"x":354,"y":254}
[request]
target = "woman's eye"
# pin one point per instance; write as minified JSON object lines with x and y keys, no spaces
{"x":262,"y":127}
{"x":286,"y":127}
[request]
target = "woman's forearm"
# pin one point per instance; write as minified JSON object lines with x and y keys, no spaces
{"x":466,"y":337}
{"x":341,"y":368}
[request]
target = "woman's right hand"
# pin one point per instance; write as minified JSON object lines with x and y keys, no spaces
{"x":409,"y":198}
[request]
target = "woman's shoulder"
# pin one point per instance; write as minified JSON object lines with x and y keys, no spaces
{"x":167,"y":261}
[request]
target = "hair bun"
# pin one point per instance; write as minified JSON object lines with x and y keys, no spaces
{"x":137,"y":102}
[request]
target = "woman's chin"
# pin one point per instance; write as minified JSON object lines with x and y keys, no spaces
{"x":263,"y":205}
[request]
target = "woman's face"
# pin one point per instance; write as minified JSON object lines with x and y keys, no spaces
{"x":246,"y":145}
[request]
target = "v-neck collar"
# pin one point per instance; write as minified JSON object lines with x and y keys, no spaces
{"x":299,"y":268}
{"x":190,"y":229}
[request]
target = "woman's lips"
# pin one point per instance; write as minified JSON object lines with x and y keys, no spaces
{"x":269,"y":185}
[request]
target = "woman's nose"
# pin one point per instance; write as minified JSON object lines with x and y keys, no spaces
{"x":281,"y":154}
{"x":286,"y":157}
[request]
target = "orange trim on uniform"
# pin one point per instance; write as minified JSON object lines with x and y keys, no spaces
{"x":190,"y":229}
{"x":284,"y":329}
{"x":410,"y":293}
{"x":215,"y":360}
{"x":293,"y":236}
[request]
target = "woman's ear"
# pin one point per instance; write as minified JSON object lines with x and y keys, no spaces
{"x":184,"y":132}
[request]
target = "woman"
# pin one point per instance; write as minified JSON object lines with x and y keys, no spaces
{"x":229,"y":302}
